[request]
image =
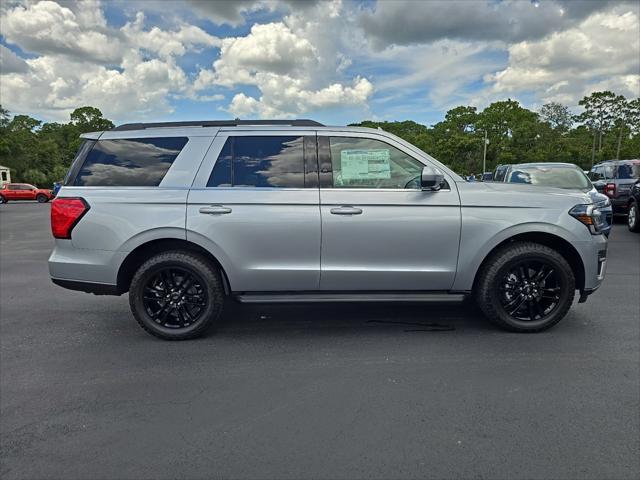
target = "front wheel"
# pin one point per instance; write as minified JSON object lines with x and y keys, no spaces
{"x":2,"y":199}
{"x":633,"y":222}
{"x":176,"y":295}
{"x":42,"y":198}
{"x":525,"y":287}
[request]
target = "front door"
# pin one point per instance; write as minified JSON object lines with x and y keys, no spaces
{"x":380,"y":230}
{"x":254,"y":204}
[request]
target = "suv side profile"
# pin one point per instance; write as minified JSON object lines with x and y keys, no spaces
{"x":187,"y":216}
{"x":615,"y":178}
{"x":24,"y":191}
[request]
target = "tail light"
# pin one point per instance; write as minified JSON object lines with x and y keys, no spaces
{"x":610,"y":190}
{"x":65,"y":214}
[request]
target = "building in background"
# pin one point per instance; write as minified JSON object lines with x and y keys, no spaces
{"x":5,"y":175}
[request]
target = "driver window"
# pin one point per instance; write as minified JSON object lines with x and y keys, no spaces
{"x":368,"y":163}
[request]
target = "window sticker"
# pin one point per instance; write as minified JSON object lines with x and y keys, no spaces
{"x":370,"y":164}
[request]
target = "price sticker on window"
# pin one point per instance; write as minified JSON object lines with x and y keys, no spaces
{"x":367,"y":164}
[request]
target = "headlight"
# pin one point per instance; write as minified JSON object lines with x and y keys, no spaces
{"x":590,"y":216}
{"x":604,"y":203}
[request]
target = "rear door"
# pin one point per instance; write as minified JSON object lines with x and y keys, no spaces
{"x":380,"y":230}
{"x":255,"y":205}
{"x":25,"y":192}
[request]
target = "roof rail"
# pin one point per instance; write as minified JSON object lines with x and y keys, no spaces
{"x":219,"y":123}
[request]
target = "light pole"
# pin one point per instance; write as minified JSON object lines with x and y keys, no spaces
{"x":484,"y":155}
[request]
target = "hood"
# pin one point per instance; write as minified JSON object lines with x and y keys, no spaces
{"x":497,"y":194}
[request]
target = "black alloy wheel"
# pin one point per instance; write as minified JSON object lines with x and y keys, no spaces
{"x":530,"y":290}
{"x":176,"y":295}
{"x":525,"y":287}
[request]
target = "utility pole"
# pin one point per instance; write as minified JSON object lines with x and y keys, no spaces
{"x":484,"y":155}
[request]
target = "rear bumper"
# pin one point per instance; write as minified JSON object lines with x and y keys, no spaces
{"x":83,"y":266}
{"x":620,"y":206}
{"x":88,"y":287}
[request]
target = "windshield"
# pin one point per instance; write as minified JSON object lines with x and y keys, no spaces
{"x":559,"y":177}
{"x":629,"y":170}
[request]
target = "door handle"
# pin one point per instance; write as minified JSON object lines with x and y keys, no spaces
{"x":346,"y":210}
{"x":215,"y":210}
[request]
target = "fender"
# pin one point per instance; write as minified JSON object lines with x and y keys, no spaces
{"x":469,"y":264}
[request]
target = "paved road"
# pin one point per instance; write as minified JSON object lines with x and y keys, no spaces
{"x":322,"y":392}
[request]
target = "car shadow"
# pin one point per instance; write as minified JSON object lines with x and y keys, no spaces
{"x":441,"y":317}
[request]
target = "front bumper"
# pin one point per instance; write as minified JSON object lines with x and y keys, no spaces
{"x":593,"y":253}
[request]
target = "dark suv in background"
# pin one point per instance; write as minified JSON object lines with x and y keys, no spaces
{"x":615,"y":178}
{"x":633,"y":219}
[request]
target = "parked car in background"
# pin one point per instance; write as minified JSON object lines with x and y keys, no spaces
{"x":487,"y":177}
{"x":500,"y":172}
{"x":560,"y":175}
{"x":185,"y":215}
{"x":633,"y":219}
{"x":615,"y":178}
{"x":24,"y":191}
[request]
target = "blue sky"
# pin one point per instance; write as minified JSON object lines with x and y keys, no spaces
{"x":334,"y":61}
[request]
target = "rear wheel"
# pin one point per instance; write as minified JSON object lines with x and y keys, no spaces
{"x":176,"y":295}
{"x":525,"y":287}
{"x":2,"y":199}
{"x":42,"y":198}
{"x":633,"y":222}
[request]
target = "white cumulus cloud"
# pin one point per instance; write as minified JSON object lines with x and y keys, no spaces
{"x":601,"y":52}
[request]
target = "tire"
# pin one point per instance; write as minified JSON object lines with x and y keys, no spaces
{"x":503,"y":286}
{"x":633,"y":220}
{"x":2,"y":199}
{"x":42,"y":198}
{"x":167,"y":313}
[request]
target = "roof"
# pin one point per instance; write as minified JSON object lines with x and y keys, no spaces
{"x":634,"y":160}
{"x":219,"y":123}
{"x":546,"y":164}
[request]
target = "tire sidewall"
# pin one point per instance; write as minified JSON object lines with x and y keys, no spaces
{"x":208,"y":279}
{"x":41,"y":198}
{"x":567,"y":285}
{"x":2,"y":199}
{"x":634,"y":227}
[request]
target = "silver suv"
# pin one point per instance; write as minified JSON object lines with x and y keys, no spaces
{"x":186,"y":216}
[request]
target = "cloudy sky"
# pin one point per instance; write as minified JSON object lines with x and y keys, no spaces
{"x":334,"y":61}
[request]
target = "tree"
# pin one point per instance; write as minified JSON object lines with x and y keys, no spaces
{"x":627,"y":118}
{"x":4,"y":117}
{"x":599,"y":115}
{"x":558,"y":116}
{"x":90,"y":119}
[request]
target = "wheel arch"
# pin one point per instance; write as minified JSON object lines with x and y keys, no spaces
{"x":550,"y":240}
{"x":143,"y":252}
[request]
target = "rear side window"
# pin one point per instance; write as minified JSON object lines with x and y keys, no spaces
{"x":130,"y":162}
{"x":629,"y":170}
{"x":264,"y":161}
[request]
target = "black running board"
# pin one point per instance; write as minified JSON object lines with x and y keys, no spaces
{"x":347,"y":297}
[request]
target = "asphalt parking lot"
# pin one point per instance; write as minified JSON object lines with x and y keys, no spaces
{"x":332,"y":391}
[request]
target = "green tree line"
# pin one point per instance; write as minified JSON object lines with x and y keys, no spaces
{"x":608,"y":128}
{"x":41,"y":153}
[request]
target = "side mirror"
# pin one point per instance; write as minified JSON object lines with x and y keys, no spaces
{"x":431,"y":179}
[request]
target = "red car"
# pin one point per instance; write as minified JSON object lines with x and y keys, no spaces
{"x":24,"y":191}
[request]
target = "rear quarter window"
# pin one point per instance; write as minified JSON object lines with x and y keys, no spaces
{"x":130,"y":162}
{"x":629,"y":170}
